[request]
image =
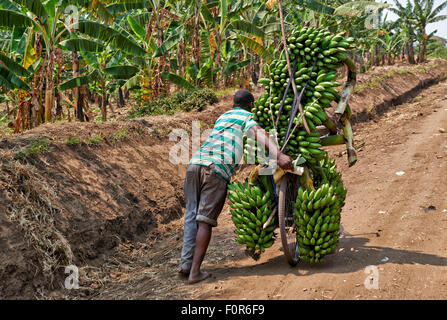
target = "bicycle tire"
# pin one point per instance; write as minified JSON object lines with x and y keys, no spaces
{"x":288,"y":192}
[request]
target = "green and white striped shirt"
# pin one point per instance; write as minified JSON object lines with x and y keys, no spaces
{"x":224,"y":147}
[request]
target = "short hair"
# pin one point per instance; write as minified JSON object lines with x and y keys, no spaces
{"x":243,"y":98}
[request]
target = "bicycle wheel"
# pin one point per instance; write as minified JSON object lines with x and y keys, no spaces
{"x":288,"y":192}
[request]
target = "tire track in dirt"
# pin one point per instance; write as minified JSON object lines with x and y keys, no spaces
{"x":386,"y":220}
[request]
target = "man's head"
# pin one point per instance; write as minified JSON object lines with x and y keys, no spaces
{"x":243,"y":99}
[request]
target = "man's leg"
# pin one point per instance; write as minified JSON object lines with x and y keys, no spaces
{"x":202,"y":241}
{"x":192,"y":196}
{"x":212,"y":199}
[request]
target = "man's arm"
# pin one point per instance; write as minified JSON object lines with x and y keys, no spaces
{"x":263,"y":138}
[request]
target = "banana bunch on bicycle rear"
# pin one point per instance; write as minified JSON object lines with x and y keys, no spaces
{"x":315,"y":54}
{"x":317,"y":215}
{"x":251,"y":208}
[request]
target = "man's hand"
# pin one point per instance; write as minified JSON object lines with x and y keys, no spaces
{"x":262,"y":137}
{"x":285,"y":162}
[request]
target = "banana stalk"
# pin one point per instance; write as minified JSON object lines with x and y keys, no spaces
{"x":295,"y":90}
{"x":333,"y":140}
{"x":306,"y":179}
{"x":352,"y":154}
{"x":330,"y":125}
{"x":284,"y":97}
{"x":348,"y":87}
{"x":347,"y":130}
{"x":269,"y":220}
{"x":254,"y":174}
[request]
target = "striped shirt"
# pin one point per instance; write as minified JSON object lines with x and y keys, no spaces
{"x":224,"y":146}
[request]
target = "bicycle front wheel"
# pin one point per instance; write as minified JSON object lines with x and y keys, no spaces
{"x":288,"y":192}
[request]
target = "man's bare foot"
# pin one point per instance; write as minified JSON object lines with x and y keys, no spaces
{"x":194,"y":278}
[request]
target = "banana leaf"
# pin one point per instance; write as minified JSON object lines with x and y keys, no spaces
{"x":206,"y":72}
{"x":36,"y":7}
{"x":125,"y":6}
{"x":168,"y":44}
{"x":260,"y":14}
{"x":85,"y":45}
{"x":79,"y":81}
{"x":316,"y":6}
{"x":223,"y":14}
{"x":136,"y":27}
{"x":11,"y":81}
{"x":178,"y":80}
{"x":235,"y":67}
{"x":8,"y":5}
{"x":122,"y":72}
{"x":247,"y":27}
{"x":134,"y":82}
{"x":207,"y":15}
{"x":255,"y":47}
{"x":10,"y":19}
{"x":205,"y":49}
{"x":356,"y":8}
{"x":105,"y":33}
{"x":14,"y":66}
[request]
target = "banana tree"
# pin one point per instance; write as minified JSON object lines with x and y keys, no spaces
{"x":153,"y":61}
{"x":105,"y":67}
{"x":15,"y":82}
{"x":424,"y":14}
{"x":226,"y":27}
{"x":391,"y":45}
{"x":405,"y":20}
{"x":45,"y":26}
{"x":43,"y":22}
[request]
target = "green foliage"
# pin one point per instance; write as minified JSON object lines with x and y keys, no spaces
{"x":199,"y":99}
{"x":180,"y":101}
{"x":119,"y":135}
{"x":144,"y":46}
{"x":436,"y":48}
{"x":4,"y":120}
{"x":95,"y":140}
{"x":72,"y":141}
{"x":36,"y":146}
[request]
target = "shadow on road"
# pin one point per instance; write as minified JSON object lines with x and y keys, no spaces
{"x":346,"y":261}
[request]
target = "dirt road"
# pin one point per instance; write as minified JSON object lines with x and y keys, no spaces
{"x":395,"y":223}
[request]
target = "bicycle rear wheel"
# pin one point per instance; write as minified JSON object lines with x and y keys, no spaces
{"x":288,"y":192}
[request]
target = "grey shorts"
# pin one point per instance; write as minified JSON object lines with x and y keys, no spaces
{"x":205,"y":192}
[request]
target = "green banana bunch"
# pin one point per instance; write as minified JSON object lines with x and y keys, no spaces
{"x":315,"y":54}
{"x":251,"y":209}
{"x":252,"y":152}
{"x":317,"y":215}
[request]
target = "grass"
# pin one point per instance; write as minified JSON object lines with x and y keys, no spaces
{"x":95,"y":140}
{"x":119,"y":135}
{"x":72,"y":141}
{"x":373,"y":82}
{"x":36,"y":147}
{"x":161,"y":132}
{"x":370,"y":108}
{"x":389,"y":74}
{"x":404,"y":71}
{"x":223,"y":92}
{"x":376,"y":81}
{"x":4,"y":129}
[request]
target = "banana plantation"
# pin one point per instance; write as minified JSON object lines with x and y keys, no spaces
{"x":62,"y":60}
